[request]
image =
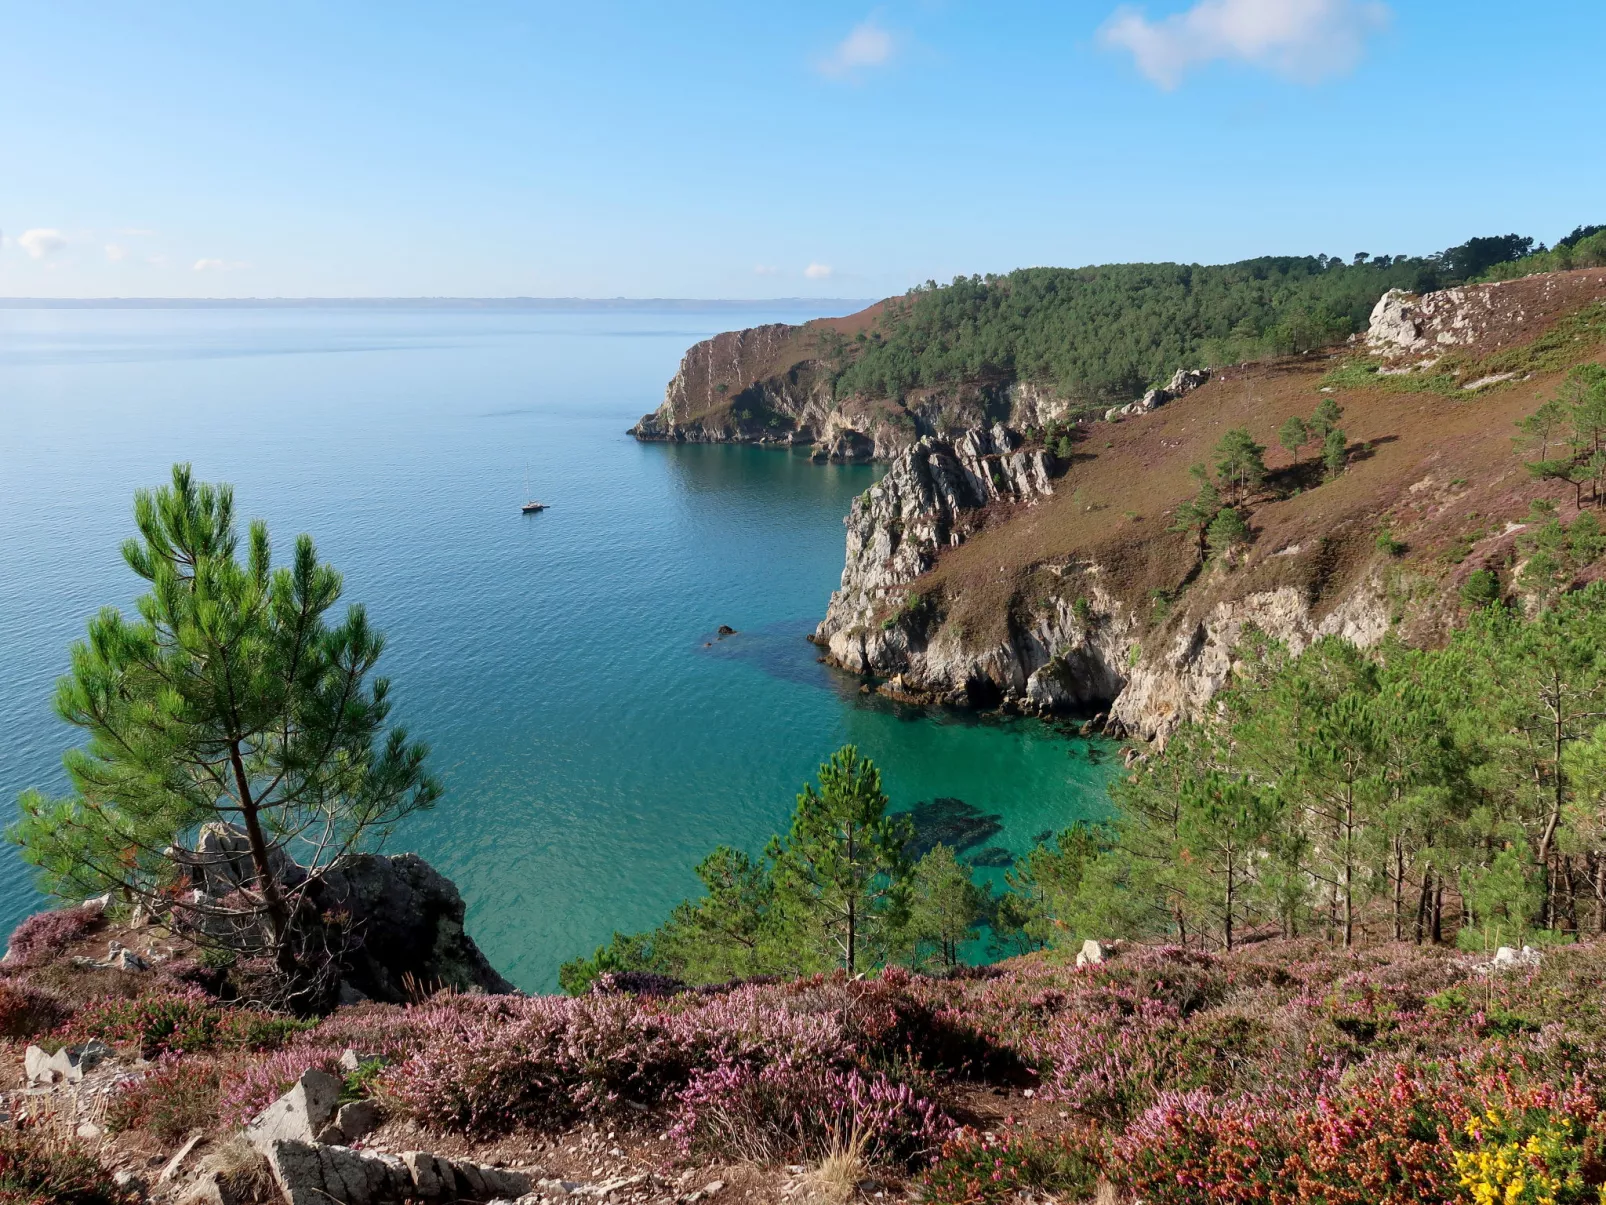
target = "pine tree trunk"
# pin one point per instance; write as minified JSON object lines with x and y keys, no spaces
{"x":1422,"y":905}
{"x":1349,"y":867}
{"x":1399,"y":888}
{"x":278,"y":911}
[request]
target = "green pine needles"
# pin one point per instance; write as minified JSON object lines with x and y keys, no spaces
{"x":232,"y":707}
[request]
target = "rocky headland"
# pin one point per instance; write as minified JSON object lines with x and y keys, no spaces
{"x":985,"y":569}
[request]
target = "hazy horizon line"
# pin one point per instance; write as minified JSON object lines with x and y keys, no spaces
{"x":424,"y":302}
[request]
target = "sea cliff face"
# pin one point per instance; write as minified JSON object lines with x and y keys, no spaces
{"x":772,"y":385}
{"x":930,"y":499}
{"x":1079,"y":647}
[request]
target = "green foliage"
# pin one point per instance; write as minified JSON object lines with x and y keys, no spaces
{"x":840,"y":870}
{"x":1481,"y":589}
{"x":1194,"y":516}
{"x":1293,"y":435}
{"x":945,"y":906}
{"x":1476,"y":256}
{"x":1048,"y":902}
{"x":1569,"y":434}
{"x":835,"y":891}
{"x":38,"y":1168}
{"x":992,"y":1168}
{"x":1226,"y":531}
{"x":1106,"y":332}
{"x":1335,"y":447}
{"x":1326,"y":417}
{"x":1240,"y":463}
{"x":1388,"y":543}
{"x":1504,"y":896}
{"x":1585,"y":247}
{"x":231,"y":697}
{"x":175,"y":1100}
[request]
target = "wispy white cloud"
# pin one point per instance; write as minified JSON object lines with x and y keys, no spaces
{"x":765,"y":270}
{"x":40,"y":243}
{"x":868,"y":44}
{"x":219,"y":265}
{"x":115,"y":253}
{"x":1302,"y":40}
{"x":818,"y":271}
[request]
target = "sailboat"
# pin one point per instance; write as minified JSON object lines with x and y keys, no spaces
{"x":530,"y":508}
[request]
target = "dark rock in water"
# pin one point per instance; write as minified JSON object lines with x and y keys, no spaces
{"x":1044,"y":837}
{"x":951,"y":822}
{"x":725,"y":630}
{"x":993,"y":855}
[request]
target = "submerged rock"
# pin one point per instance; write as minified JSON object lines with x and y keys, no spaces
{"x":951,"y":822}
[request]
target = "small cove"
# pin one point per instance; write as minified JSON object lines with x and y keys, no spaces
{"x":594,"y":736}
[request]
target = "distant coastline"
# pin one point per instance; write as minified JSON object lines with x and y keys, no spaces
{"x":810,"y":305}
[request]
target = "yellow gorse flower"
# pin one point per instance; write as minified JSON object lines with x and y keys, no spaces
{"x":1529,"y":1172}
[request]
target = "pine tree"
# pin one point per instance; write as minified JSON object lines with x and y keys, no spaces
{"x":230,"y":698}
{"x":1325,"y":418}
{"x":841,"y":868}
{"x":1335,"y":447}
{"x":1193,"y":517}
{"x":1223,"y":822}
{"x":1240,"y":463}
{"x":1227,"y":531}
{"x":945,"y":905}
{"x":1293,"y":435}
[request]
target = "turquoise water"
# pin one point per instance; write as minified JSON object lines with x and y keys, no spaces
{"x":593,"y":736}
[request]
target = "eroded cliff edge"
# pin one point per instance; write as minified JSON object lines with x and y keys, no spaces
{"x":773,"y":385}
{"x":987,"y":587}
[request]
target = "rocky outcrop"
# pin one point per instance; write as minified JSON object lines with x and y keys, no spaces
{"x":300,"y":1137}
{"x":1413,"y":332}
{"x":403,"y":919}
{"x":409,"y":920}
{"x":1183,"y":381}
{"x":773,"y":385}
{"x":1074,"y":645}
{"x":1177,"y":681}
{"x":927,"y":501}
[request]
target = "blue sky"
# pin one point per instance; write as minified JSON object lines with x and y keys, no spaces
{"x":768,"y":149}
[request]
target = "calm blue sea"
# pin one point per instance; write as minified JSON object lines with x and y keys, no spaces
{"x":593,"y":737}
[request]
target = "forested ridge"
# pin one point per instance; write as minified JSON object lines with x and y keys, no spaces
{"x":1110,"y":331}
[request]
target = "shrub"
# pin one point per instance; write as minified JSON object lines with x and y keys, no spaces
{"x":37,"y":1168}
{"x":485,"y":1065}
{"x":184,"y":1022}
{"x":978,"y":1169}
{"x":27,"y":1011}
{"x":792,"y":1109}
{"x":246,"y":1089}
{"x":1190,"y":1147}
{"x":178,"y":1098}
{"x":43,"y":935}
{"x":1537,"y":1145}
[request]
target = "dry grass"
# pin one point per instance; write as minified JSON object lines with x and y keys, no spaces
{"x":836,"y":1178}
{"x":240,"y":1168}
{"x":1435,"y":467}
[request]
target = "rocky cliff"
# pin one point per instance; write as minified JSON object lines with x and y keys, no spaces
{"x":932,"y":496}
{"x":772,"y":385}
{"x":1079,"y":597}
